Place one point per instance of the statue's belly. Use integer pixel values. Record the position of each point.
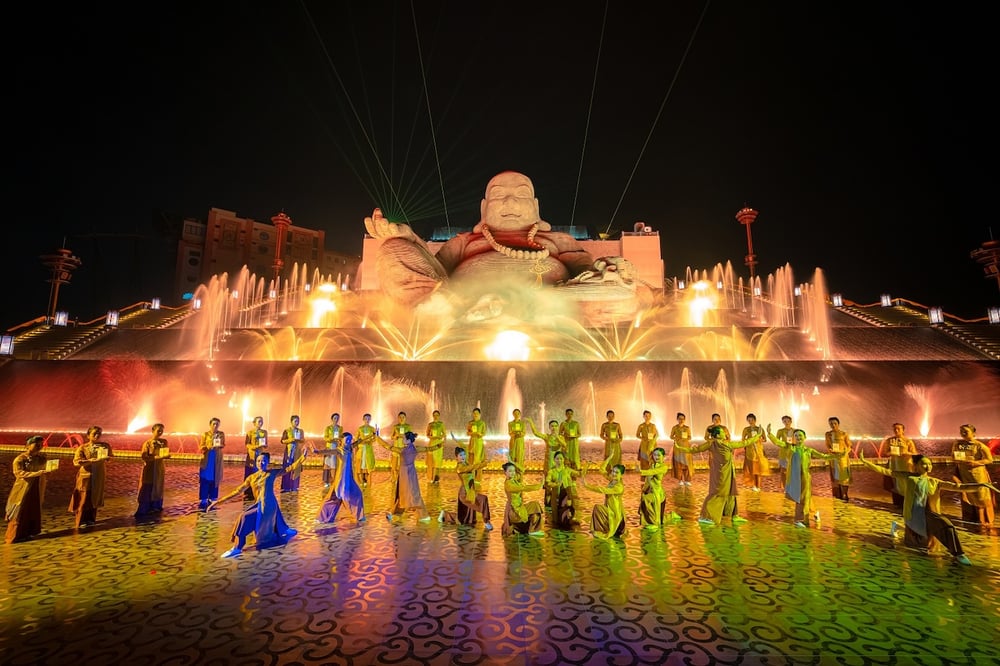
(496, 266)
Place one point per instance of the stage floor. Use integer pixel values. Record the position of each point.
(764, 592)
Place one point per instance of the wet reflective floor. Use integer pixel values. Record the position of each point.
(764, 592)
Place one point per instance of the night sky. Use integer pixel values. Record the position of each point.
(857, 130)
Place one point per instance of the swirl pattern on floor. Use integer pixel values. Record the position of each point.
(765, 592)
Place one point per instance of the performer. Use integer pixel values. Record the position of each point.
(839, 443)
(210, 468)
(611, 433)
(900, 450)
(569, 430)
(717, 423)
(798, 487)
(754, 461)
(786, 433)
(469, 501)
(293, 439)
(721, 500)
(344, 488)
(255, 443)
(553, 442)
(436, 434)
(399, 430)
(88, 494)
(654, 500)
(516, 429)
(647, 434)
(407, 492)
(365, 438)
(683, 463)
(925, 524)
(24, 504)
(971, 457)
(518, 517)
(608, 519)
(560, 490)
(154, 453)
(263, 518)
(332, 435)
(476, 432)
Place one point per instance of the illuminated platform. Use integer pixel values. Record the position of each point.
(416, 593)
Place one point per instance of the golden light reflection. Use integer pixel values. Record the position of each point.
(700, 303)
(509, 346)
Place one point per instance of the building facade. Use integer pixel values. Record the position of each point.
(225, 243)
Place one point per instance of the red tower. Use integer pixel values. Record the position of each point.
(746, 216)
(62, 263)
(989, 256)
(281, 222)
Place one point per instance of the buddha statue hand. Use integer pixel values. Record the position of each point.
(406, 267)
(615, 270)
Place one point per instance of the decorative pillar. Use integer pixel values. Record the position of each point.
(746, 217)
(989, 256)
(62, 263)
(281, 222)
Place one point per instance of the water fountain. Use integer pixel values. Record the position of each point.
(315, 347)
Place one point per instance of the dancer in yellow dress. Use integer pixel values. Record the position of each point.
(899, 449)
(293, 439)
(785, 433)
(717, 423)
(838, 442)
(553, 443)
(332, 436)
(210, 468)
(152, 478)
(520, 517)
(365, 438)
(255, 443)
(569, 430)
(560, 489)
(647, 434)
(608, 519)
(516, 429)
(754, 463)
(470, 502)
(611, 433)
(88, 493)
(798, 487)
(925, 524)
(436, 434)
(971, 458)
(399, 430)
(27, 496)
(683, 463)
(652, 503)
(476, 448)
(723, 491)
